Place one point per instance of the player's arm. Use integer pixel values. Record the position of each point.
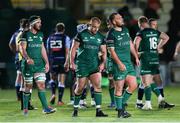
(12, 44)
(103, 57)
(177, 50)
(44, 55)
(48, 45)
(67, 47)
(134, 53)
(19, 35)
(114, 56)
(22, 49)
(163, 40)
(74, 48)
(137, 41)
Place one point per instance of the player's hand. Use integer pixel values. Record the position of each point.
(30, 61)
(72, 66)
(122, 67)
(137, 62)
(66, 66)
(101, 67)
(46, 67)
(160, 50)
(139, 54)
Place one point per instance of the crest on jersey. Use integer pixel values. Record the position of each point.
(30, 39)
(41, 39)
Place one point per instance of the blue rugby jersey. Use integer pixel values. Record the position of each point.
(56, 45)
(13, 41)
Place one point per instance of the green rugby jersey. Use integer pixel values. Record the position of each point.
(34, 44)
(149, 44)
(89, 46)
(120, 40)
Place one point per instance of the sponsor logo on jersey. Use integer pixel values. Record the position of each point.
(119, 78)
(30, 39)
(99, 40)
(85, 39)
(91, 37)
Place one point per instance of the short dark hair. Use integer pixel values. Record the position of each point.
(112, 16)
(60, 27)
(142, 19)
(24, 22)
(33, 18)
(152, 19)
(95, 19)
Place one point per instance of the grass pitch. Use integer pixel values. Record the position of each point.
(10, 109)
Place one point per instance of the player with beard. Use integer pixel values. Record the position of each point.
(34, 63)
(120, 47)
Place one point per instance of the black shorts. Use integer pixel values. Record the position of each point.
(18, 65)
(57, 67)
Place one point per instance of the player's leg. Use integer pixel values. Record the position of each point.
(95, 79)
(71, 79)
(93, 103)
(159, 83)
(81, 82)
(139, 103)
(132, 85)
(40, 81)
(18, 80)
(82, 102)
(111, 90)
(159, 92)
(52, 82)
(61, 87)
(119, 99)
(28, 79)
(147, 80)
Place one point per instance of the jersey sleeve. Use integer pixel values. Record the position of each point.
(78, 38)
(68, 42)
(81, 27)
(13, 39)
(23, 37)
(110, 40)
(139, 34)
(48, 43)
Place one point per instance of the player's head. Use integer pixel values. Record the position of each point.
(35, 22)
(60, 27)
(94, 25)
(109, 24)
(143, 22)
(24, 23)
(116, 19)
(153, 23)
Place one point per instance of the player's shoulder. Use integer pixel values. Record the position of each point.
(40, 33)
(125, 28)
(83, 31)
(25, 33)
(110, 31)
(81, 27)
(100, 34)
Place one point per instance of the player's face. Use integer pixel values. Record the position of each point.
(26, 27)
(37, 25)
(94, 27)
(118, 20)
(154, 24)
